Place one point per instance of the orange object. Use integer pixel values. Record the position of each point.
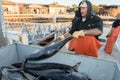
(87, 45)
(111, 40)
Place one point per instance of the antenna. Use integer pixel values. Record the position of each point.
(2, 41)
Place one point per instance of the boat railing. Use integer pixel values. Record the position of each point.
(117, 44)
(33, 31)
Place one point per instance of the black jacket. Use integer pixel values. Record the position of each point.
(92, 21)
(116, 23)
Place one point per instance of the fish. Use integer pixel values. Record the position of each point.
(44, 42)
(48, 66)
(58, 75)
(50, 74)
(49, 71)
(48, 51)
(54, 71)
(10, 73)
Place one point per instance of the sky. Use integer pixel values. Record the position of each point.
(70, 2)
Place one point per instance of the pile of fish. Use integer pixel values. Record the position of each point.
(43, 71)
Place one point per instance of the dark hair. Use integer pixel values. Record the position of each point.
(77, 14)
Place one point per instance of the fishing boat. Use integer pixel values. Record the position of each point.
(105, 67)
(96, 68)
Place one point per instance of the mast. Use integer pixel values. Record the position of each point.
(2, 40)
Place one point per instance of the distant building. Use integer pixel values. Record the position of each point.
(9, 7)
(21, 8)
(56, 8)
(111, 10)
(102, 9)
(114, 10)
(37, 9)
(44, 10)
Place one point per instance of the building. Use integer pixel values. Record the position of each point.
(56, 8)
(37, 9)
(21, 8)
(9, 7)
(102, 9)
(114, 11)
(44, 10)
(111, 10)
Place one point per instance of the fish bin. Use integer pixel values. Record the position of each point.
(97, 69)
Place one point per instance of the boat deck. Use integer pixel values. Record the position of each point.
(102, 54)
(106, 65)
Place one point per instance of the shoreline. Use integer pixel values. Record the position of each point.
(43, 18)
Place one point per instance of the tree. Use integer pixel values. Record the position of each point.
(73, 8)
(69, 9)
(74, 5)
(95, 8)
